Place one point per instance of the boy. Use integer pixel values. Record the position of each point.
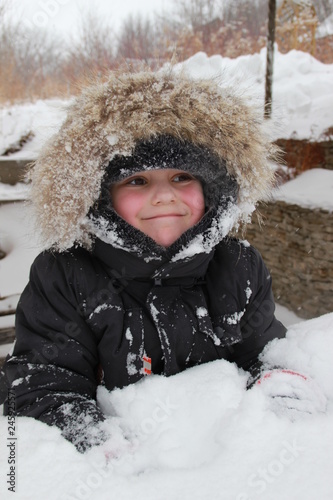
(135, 197)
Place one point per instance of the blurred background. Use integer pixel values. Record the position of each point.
(51, 47)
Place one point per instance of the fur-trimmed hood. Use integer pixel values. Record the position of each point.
(109, 119)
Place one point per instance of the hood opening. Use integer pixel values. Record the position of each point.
(162, 152)
(167, 152)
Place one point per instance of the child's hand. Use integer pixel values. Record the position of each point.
(117, 452)
(292, 394)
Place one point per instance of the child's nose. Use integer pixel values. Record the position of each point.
(162, 194)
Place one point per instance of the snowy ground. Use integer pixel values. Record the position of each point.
(196, 435)
(200, 434)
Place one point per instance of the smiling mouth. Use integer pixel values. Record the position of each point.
(163, 216)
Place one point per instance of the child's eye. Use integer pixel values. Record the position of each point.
(183, 177)
(137, 181)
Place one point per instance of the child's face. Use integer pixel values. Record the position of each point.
(161, 203)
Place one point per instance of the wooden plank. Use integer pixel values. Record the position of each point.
(7, 335)
(13, 171)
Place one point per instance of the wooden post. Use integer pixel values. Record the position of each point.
(270, 58)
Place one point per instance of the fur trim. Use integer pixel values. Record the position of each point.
(109, 119)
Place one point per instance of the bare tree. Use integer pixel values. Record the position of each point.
(195, 13)
(137, 39)
(248, 15)
(3, 9)
(252, 14)
(94, 50)
(27, 59)
(324, 8)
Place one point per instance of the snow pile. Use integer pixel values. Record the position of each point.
(302, 95)
(196, 435)
(312, 189)
(302, 88)
(39, 120)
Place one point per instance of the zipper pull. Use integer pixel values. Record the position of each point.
(146, 365)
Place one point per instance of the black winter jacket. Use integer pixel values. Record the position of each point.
(104, 295)
(82, 312)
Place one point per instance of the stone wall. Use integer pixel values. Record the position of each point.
(297, 246)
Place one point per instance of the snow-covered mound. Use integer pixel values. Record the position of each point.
(302, 95)
(302, 88)
(39, 120)
(312, 189)
(196, 435)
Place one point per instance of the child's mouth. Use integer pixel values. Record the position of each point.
(163, 216)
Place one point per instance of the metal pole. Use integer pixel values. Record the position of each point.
(270, 58)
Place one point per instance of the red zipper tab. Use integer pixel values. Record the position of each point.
(146, 365)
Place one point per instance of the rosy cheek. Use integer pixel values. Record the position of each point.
(195, 199)
(199, 204)
(127, 206)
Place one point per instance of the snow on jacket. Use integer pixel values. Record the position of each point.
(103, 296)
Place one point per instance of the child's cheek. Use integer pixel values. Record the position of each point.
(194, 198)
(128, 207)
(198, 204)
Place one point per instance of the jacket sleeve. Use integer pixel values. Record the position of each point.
(258, 325)
(52, 370)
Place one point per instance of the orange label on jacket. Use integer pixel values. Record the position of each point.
(146, 365)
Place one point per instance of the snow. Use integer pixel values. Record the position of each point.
(198, 434)
(288, 318)
(18, 242)
(302, 88)
(312, 189)
(41, 118)
(19, 191)
(201, 312)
